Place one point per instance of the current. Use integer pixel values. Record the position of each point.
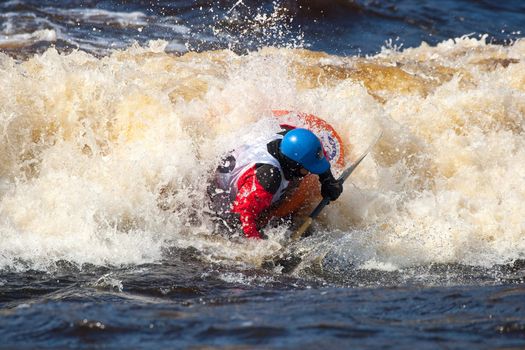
(114, 113)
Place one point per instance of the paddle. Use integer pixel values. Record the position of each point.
(290, 261)
(325, 201)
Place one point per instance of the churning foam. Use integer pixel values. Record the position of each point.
(105, 160)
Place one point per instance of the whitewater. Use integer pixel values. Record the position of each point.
(104, 160)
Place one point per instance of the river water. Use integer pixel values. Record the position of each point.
(114, 113)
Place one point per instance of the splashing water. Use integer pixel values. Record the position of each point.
(105, 160)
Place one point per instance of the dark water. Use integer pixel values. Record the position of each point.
(185, 301)
(343, 27)
(182, 303)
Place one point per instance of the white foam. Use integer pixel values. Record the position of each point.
(92, 15)
(25, 39)
(87, 145)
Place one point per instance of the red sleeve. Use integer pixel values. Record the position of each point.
(250, 202)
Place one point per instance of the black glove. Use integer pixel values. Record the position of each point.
(330, 187)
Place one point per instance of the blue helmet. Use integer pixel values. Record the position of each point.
(302, 146)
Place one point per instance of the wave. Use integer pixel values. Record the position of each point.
(104, 160)
(26, 39)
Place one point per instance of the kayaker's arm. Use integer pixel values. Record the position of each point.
(256, 188)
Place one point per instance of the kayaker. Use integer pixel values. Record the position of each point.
(253, 177)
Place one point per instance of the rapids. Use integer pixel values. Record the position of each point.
(104, 160)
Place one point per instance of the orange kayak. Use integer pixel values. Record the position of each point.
(308, 192)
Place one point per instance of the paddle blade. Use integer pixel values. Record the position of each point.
(301, 230)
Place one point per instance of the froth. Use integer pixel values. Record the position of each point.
(105, 160)
(20, 40)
